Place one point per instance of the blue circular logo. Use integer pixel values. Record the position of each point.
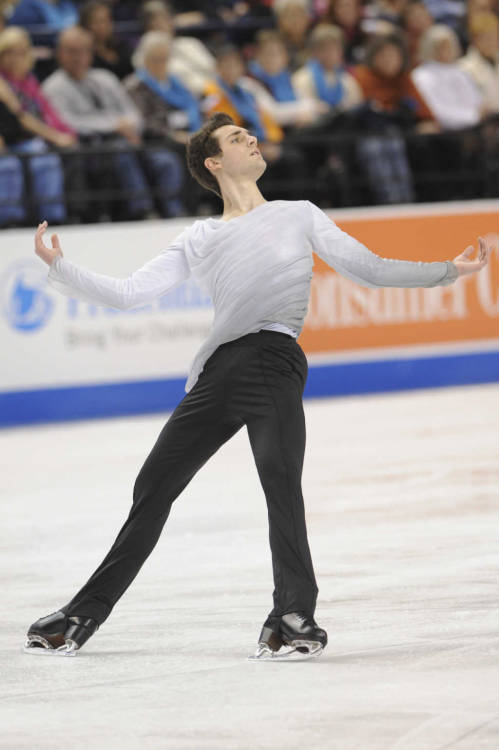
(25, 303)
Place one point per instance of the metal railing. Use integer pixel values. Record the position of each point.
(327, 168)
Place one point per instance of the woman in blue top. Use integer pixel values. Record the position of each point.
(169, 110)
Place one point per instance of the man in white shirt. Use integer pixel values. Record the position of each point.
(256, 263)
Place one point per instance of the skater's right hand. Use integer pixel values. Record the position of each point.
(464, 262)
(45, 253)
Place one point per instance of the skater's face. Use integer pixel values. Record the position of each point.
(240, 157)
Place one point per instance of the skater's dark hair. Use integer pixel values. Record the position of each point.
(203, 144)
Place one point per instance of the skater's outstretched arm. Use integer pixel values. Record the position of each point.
(158, 276)
(352, 259)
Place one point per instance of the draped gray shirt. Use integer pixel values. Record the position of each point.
(257, 269)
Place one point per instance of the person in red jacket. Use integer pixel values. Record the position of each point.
(393, 108)
(386, 83)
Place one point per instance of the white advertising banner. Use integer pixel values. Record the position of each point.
(62, 358)
(49, 339)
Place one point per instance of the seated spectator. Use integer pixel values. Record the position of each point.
(416, 21)
(168, 108)
(481, 62)
(272, 87)
(387, 86)
(393, 105)
(56, 14)
(449, 91)
(472, 8)
(109, 52)
(225, 93)
(96, 104)
(347, 15)
(190, 60)
(41, 126)
(228, 93)
(323, 77)
(294, 21)
(13, 209)
(16, 63)
(12, 184)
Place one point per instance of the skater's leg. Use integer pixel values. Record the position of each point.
(196, 429)
(276, 430)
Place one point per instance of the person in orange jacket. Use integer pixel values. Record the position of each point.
(387, 85)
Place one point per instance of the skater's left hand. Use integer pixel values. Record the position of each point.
(464, 263)
(46, 253)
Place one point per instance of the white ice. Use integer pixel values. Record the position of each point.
(402, 498)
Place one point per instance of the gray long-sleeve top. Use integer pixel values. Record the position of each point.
(92, 105)
(256, 268)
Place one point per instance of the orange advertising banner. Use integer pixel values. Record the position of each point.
(344, 316)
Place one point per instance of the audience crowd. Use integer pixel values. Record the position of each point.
(353, 102)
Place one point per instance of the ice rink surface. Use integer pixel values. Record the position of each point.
(402, 495)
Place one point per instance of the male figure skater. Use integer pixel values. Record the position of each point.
(256, 262)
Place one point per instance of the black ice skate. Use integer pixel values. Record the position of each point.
(292, 637)
(59, 635)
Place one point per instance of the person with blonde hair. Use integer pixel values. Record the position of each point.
(169, 112)
(16, 64)
(168, 108)
(481, 62)
(447, 89)
(43, 128)
(190, 60)
(271, 84)
(324, 77)
(227, 93)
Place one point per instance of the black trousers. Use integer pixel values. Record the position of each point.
(257, 381)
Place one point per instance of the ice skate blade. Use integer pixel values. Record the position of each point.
(38, 646)
(291, 652)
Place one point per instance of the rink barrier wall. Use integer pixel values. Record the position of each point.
(66, 359)
(157, 396)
